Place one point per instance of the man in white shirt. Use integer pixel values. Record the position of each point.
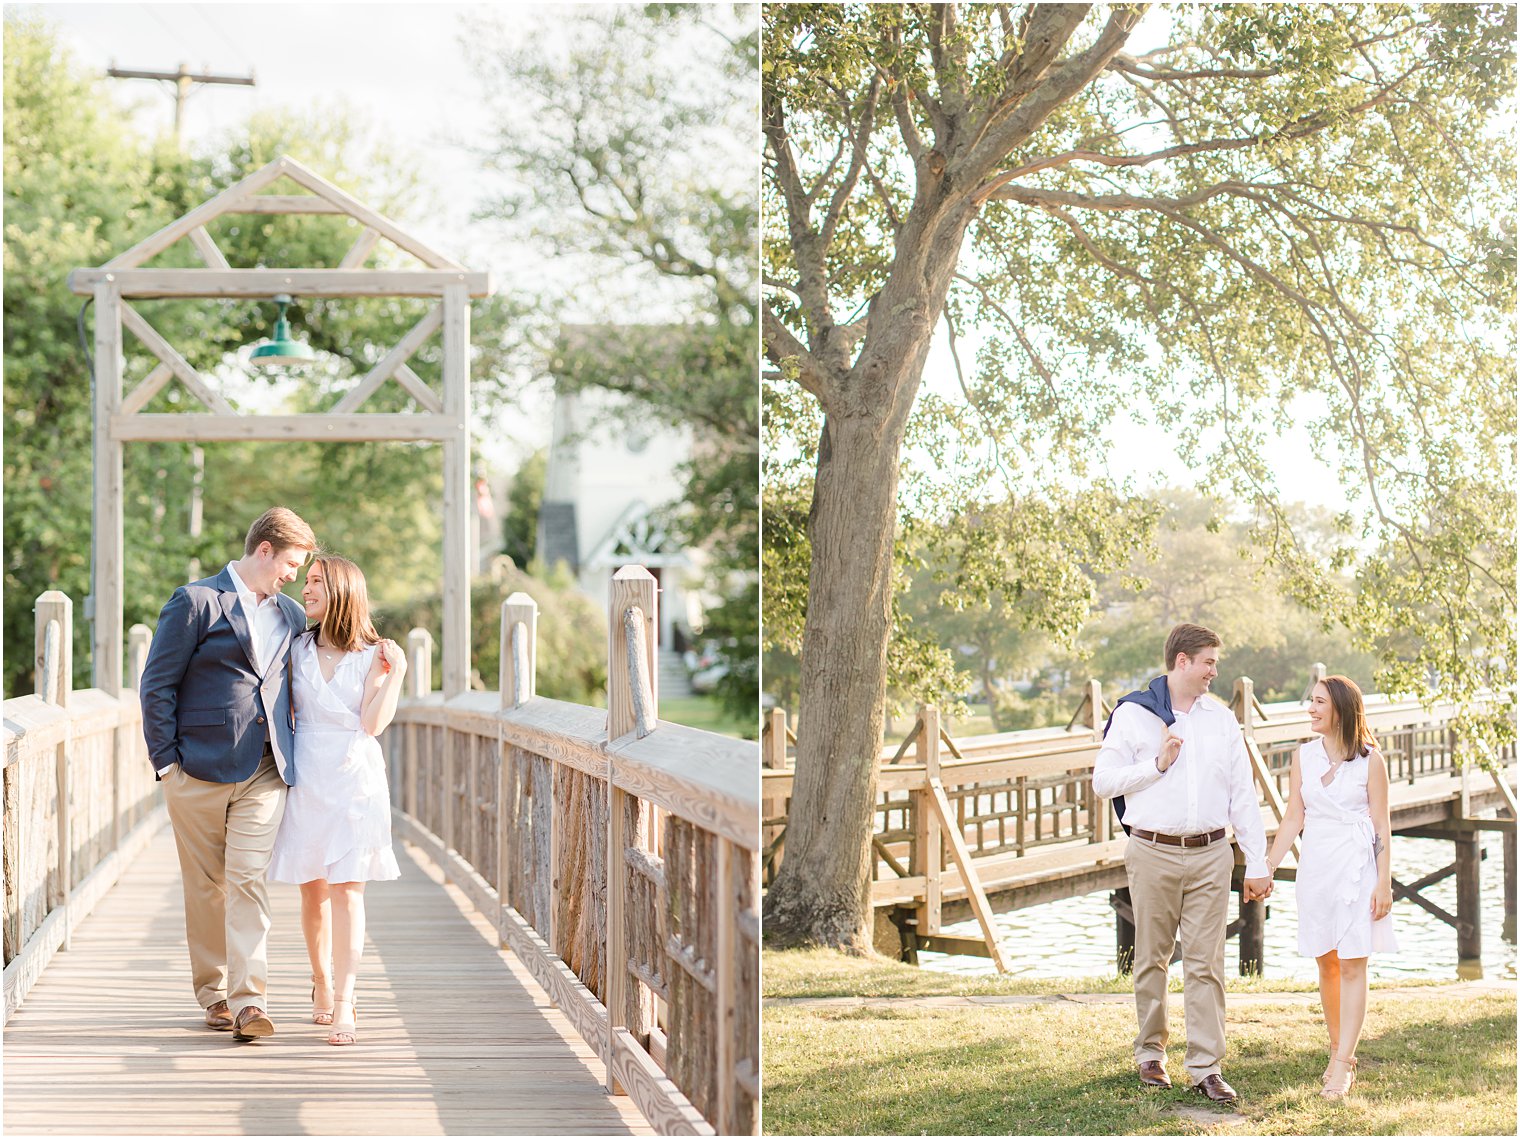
(1176, 756)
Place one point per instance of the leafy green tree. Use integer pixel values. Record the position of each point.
(571, 662)
(627, 138)
(1280, 207)
(79, 188)
(519, 529)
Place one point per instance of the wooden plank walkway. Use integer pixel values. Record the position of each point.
(455, 1037)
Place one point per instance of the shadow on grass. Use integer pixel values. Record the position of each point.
(1429, 1076)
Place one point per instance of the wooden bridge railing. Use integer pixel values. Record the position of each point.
(1013, 793)
(619, 855)
(79, 797)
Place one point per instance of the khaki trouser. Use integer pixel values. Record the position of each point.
(1182, 890)
(225, 835)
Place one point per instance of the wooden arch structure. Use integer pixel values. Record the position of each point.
(120, 419)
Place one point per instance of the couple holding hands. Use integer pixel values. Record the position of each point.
(1174, 762)
(239, 695)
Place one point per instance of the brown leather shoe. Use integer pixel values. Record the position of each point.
(251, 1023)
(219, 1016)
(1214, 1088)
(1153, 1074)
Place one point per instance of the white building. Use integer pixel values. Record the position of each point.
(611, 471)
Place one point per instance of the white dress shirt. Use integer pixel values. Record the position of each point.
(266, 623)
(1208, 786)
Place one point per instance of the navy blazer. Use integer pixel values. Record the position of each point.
(204, 705)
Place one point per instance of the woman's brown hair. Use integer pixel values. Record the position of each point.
(346, 624)
(1351, 730)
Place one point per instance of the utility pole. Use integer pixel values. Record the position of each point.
(184, 86)
(184, 83)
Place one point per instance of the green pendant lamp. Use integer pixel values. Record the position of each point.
(281, 351)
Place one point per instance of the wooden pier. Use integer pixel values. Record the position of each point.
(974, 827)
(615, 855)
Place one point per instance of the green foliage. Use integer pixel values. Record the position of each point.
(629, 153)
(80, 187)
(571, 662)
(519, 529)
(1287, 215)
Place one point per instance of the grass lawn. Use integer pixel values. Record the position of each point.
(708, 713)
(824, 973)
(1436, 1065)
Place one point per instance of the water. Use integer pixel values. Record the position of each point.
(1075, 937)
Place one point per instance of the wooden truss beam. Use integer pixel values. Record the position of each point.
(265, 283)
(319, 427)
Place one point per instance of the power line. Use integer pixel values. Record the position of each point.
(200, 10)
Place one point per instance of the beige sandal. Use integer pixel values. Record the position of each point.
(344, 1031)
(1337, 1088)
(320, 1014)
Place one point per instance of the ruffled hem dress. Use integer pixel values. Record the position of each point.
(1337, 871)
(337, 822)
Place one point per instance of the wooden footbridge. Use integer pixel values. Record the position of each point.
(573, 946)
(978, 826)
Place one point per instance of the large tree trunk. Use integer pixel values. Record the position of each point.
(822, 893)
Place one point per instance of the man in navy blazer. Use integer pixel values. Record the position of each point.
(221, 737)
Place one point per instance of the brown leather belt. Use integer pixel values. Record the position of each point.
(1178, 839)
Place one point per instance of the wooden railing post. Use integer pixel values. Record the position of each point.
(419, 683)
(1100, 816)
(633, 588)
(1317, 672)
(54, 669)
(519, 650)
(773, 741)
(929, 841)
(632, 705)
(139, 640)
(519, 684)
(54, 614)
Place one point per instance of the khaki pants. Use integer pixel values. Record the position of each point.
(225, 835)
(1180, 890)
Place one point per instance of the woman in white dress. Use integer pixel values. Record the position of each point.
(1338, 800)
(336, 833)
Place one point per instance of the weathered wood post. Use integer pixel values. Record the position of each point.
(419, 683)
(1317, 672)
(54, 614)
(1124, 929)
(1253, 915)
(773, 758)
(54, 667)
(1469, 913)
(632, 607)
(139, 640)
(108, 530)
(927, 857)
(519, 684)
(1509, 885)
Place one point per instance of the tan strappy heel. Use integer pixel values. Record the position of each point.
(1338, 1087)
(320, 1014)
(344, 1031)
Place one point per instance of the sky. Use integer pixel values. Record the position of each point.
(400, 67)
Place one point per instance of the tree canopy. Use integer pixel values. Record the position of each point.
(81, 186)
(1219, 218)
(624, 143)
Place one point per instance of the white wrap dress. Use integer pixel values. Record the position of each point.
(337, 822)
(1337, 871)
